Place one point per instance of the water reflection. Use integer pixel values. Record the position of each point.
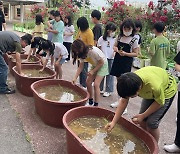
(91, 131)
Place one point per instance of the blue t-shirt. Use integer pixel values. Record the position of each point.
(58, 26)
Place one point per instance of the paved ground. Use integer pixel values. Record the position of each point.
(12, 136)
(45, 139)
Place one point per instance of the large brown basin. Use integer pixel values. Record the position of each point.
(51, 112)
(23, 83)
(74, 143)
(12, 63)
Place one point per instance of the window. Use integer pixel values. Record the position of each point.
(6, 11)
(18, 12)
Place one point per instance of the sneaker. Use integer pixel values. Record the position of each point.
(87, 104)
(115, 104)
(102, 92)
(125, 111)
(106, 94)
(95, 104)
(173, 148)
(85, 88)
(8, 91)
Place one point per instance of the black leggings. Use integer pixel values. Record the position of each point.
(177, 139)
(68, 47)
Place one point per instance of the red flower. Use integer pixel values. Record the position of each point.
(154, 21)
(107, 12)
(165, 11)
(110, 19)
(121, 3)
(164, 18)
(115, 5)
(173, 6)
(103, 8)
(151, 5)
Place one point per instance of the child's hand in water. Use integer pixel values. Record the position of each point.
(41, 70)
(24, 61)
(109, 127)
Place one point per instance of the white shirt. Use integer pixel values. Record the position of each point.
(68, 29)
(94, 55)
(137, 37)
(60, 50)
(107, 46)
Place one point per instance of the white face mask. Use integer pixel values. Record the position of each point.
(112, 34)
(127, 33)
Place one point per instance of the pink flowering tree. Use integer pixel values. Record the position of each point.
(118, 11)
(169, 14)
(68, 9)
(36, 9)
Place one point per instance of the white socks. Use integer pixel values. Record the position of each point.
(173, 148)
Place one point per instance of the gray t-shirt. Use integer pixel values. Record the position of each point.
(9, 41)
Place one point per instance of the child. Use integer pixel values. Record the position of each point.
(99, 69)
(86, 35)
(51, 17)
(58, 28)
(106, 43)
(126, 47)
(36, 43)
(68, 34)
(175, 148)
(39, 28)
(159, 47)
(97, 30)
(60, 54)
(156, 87)
(138, 26)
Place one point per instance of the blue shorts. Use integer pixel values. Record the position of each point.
(62, 61)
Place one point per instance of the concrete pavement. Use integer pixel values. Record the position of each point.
(12, 136)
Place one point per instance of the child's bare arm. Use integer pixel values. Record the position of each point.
(177, 67)
(79, 70)
(44, 65)
(153, 108)
(134, 53)
(60, 57)
(120, 109)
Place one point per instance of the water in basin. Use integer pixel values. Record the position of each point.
(34, 73)
(59, 94)
(91, 131)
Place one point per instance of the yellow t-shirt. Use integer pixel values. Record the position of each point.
(157, 84)
(39, 28)
(87, 36)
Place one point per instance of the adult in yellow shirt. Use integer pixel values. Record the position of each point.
(39, 28)
(156, 87)
(86, 35)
